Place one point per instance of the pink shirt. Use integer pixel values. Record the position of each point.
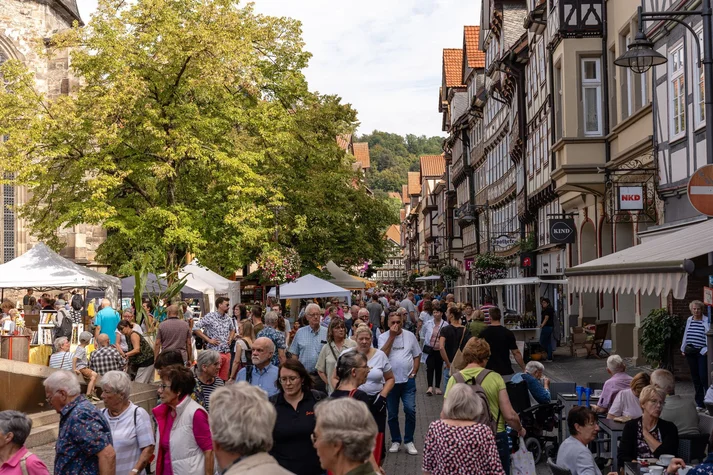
(612, 386)
(201, 431)
(34, 465)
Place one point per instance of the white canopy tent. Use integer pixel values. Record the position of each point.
(309, 286)
(42, 268)
(341, 278)
(202, 278)
(427, 278)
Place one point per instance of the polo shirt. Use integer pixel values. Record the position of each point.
(612, 386)
(33, 464)
(108, 319)
(307, 344)
(403, 351)
(292, 447)
(263, 378)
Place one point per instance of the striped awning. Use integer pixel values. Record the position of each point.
(658, 266)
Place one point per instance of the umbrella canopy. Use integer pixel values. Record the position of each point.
(156, 285)
(41, 267)
(309, 286)
(342, 279)
(221, 285)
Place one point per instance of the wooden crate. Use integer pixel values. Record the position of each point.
(15, 348)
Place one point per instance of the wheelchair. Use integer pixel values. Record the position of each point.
(541, 422)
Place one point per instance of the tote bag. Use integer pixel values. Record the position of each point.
(522, 462)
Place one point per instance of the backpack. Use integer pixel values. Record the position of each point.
(65, 328)
(486, 417)
(77, 302)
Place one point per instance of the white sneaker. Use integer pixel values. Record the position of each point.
(411, 449)
(394, 447)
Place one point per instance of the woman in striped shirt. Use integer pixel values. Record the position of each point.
(694, 348)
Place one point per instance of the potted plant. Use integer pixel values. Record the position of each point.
(279, 264)
(489, 266)
(661, 332)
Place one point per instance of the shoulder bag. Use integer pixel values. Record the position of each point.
(428, 349)
(457, 363)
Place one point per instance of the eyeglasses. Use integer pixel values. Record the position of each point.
(164, 386)
(657, 403)
(49, 398)
(289, 379)
(313, 437)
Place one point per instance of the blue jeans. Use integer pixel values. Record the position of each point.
(698, 365)
(446, 377)
(546, 340)
(405, 392)
(503, 443)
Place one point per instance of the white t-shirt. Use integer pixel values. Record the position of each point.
(129, 438)
(379, 364)
(403, 351)
(425, 317)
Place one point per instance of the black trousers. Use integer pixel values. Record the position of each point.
(434, 367)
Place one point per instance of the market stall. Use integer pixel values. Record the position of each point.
(309, 286)
(343, 279)
(42, 269)
(221, 286)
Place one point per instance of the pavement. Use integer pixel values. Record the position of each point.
(564, 368)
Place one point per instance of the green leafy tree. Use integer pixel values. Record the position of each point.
(193, 131)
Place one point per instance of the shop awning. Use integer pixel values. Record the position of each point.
(515, 281)
(658, 266)
(427, 278)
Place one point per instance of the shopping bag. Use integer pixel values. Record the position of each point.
(522, 462)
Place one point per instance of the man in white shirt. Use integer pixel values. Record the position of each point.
(403, 351)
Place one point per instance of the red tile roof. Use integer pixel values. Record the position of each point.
(361, 154)
(394, 234)
(476, 58)
(433, 166)
(343, 140)
(453, 67)
(414, 183)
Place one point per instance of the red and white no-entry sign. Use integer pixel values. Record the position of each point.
(700, 190)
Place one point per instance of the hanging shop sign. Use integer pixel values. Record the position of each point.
(469, 264)
(562, 231)
(631, 198)
(708, 296)
(504, 241)
(527, 260)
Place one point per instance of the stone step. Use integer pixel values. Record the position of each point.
(45, 434)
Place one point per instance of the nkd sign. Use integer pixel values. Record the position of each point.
(562, 231)
(631, 198)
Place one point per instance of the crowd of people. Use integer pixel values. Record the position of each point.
(263, 396)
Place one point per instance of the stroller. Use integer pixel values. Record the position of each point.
(541, 422)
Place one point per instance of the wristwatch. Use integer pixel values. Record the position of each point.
(135, 470)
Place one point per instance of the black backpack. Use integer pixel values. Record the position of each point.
(65, 328)
(486, 417)
(77, 302)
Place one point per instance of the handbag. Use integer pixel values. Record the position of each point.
(457, 363)
(428, 349)
(690, 350)
(522, 461)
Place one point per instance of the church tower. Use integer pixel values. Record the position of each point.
(24, 25)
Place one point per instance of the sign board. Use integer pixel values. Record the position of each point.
(504, 241)
(562, 231)
(469, 264)
(527, 260)
(708, 296)
(700, 190)
(630, 198)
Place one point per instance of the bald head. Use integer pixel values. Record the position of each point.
(103, 340)
(172, 311)
(106, 303)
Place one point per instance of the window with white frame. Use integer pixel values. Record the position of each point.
(541, 60)
(677, 94)
(699, 91)
(592, 96)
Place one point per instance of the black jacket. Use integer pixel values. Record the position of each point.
(628, 445)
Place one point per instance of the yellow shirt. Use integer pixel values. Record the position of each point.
(90, 309)
(492, 385)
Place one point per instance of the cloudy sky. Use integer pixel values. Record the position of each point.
(382, 56)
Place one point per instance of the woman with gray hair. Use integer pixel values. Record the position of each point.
(241, 425)
(14, 429)
(694, 347)
(207, 380)
(456, 443)
(130, 425)
(344, 436)
(62, 358)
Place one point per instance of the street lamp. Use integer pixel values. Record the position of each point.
(641, 55)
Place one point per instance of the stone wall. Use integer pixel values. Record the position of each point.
(23, 27)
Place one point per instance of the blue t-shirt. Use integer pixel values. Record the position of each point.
(108, 319)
